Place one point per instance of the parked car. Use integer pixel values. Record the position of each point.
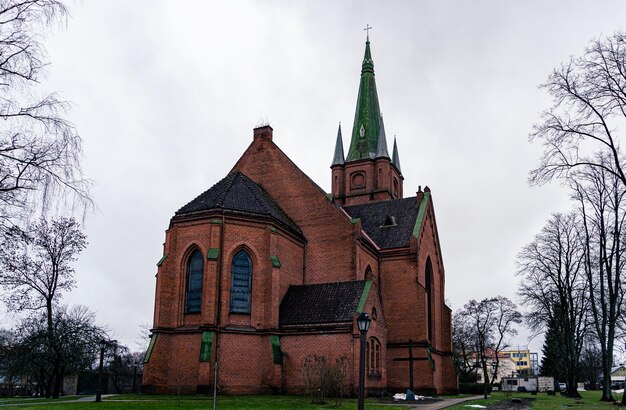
(562, 386)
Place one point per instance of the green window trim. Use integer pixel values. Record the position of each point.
(153, 339)
(272, 229)
(216, 221)
(430, 359)
(160, 262)
(275, 261)
(277, 354)
(206, 346)
(213, 254)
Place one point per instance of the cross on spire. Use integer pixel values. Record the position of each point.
(367, 29)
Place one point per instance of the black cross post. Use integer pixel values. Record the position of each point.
(410, 359)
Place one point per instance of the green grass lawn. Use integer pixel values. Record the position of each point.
(17, 400)
(197, 402)
(589, 400)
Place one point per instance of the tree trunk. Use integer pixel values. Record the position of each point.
(58, 381)
(607, 395)
(485, 380)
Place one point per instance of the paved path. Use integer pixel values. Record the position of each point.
(36, 403)
(443, 403)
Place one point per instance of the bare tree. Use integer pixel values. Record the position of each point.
(39, 149)
(490, 321)
(589, 94)
(36, 267)
(464, 345)
(555, 288)
(506, 317)
(600, 195)
(32, 356)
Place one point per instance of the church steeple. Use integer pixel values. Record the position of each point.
(368, 173)
(395, 160)
(338, 158)
(367, 120)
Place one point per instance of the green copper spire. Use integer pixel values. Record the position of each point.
(338, 157)
(367, 120)
(395, 159)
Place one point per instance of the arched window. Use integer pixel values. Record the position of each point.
(241, 283)
(369, 275)
(372, 357)
(429, 298)
(193, 297)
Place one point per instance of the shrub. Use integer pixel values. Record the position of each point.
(324, 377)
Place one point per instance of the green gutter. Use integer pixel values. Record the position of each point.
(275, 261)
(213, 254)
(430, 358)
(420, 214)
(364, 295)
(160, 262)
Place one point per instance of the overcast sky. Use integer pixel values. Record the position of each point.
(167, 93)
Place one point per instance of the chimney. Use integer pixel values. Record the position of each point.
(263, 132)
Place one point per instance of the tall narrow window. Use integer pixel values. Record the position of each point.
(373, 357)
(429, 300)
(193, 298)
(241, 283)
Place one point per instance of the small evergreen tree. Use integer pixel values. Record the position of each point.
(552, 360)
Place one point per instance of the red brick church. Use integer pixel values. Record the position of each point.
(265, 268)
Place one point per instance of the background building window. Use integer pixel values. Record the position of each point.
(193, 297)
(241, 283)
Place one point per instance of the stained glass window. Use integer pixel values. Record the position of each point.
(195, 266)
(241, 283)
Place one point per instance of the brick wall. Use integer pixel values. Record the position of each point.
(331, 249)
(330, 235)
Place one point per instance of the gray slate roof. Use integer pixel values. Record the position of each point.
(323, 303)
(375, 214)
(238, 193)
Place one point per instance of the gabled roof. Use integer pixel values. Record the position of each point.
(389, 223)
(323, 303)
(238, 193)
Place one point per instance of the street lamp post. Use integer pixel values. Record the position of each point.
(363, 322)
(103, 344)
(135, 364)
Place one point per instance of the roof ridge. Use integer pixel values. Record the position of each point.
(246, 181)
(229, 186)
(330, 283)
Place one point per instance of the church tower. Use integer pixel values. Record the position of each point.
(368, 173)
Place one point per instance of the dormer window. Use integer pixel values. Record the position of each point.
(390, 220)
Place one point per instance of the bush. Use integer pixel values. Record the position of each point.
(474, 388)
(324, 377)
